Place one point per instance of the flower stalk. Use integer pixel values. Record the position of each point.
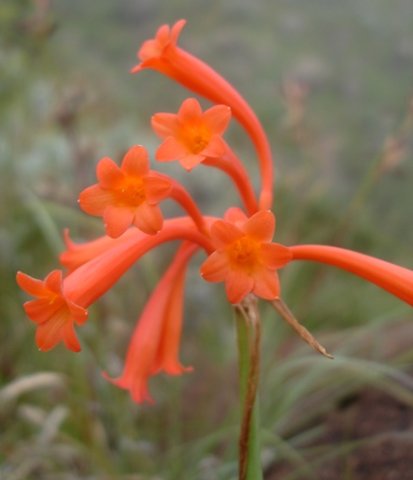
(249, 340)
(232, 166)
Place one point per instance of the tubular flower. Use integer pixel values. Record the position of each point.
(153, 51)
(239, 247)
(53, 312)
(62, 301)
(127, 195)
(77, 254)
(163, 54)
(396, 280)
(154, 344)
(245, 259)
(191, 136)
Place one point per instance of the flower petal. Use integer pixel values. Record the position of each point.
(150, 49)
(53, 281)
(79, 314)
(42, 310)
(165, 37)
(224, 233)
(165, 124)
(154, 47)
(275, 255)
(216, 148)
(49, 334)
(136, 161)
(156, 187)
(70, 339)
(30, 285)
(94, 199)
(117, 220)
(266, 284)
(261, 226)
(171, 150)
(217, 118)
(148, 218)
(108, 173)
(236, 216)
(215, 267)
(176, 30)
(237, 285)
(190, 111)
(191, 160)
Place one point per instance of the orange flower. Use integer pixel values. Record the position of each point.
(61, 302)
(127, 195)
(54, 313)
(77, 254)
(153, 50)
(191, 136)
(155, 342)
(91, 255)
(163, 55)
(245, 259)
(396, 280)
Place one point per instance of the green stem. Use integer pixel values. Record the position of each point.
(248, 333)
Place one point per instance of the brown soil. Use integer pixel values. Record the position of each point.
(373, 435)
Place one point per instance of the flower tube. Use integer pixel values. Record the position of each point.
(91, 280)
(155, 342)
(396, 280)
(76, 254)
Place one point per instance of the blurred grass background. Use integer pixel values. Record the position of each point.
(332, 84)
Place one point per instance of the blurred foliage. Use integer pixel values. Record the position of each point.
(332, 84)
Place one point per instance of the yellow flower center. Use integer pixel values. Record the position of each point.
(244, 254)
(196, 139)
(131, 194)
